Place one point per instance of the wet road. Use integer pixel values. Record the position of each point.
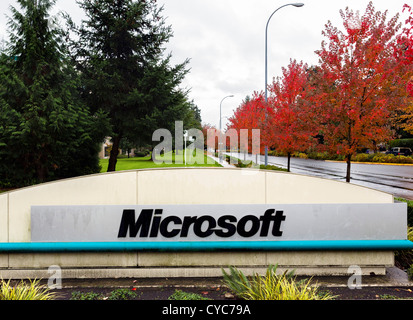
(394, 179)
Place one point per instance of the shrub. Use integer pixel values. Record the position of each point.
(25, 291)
(404, 159)
(77, 295)
(320, 156)
(362, 157)
(276, 153)
(270, 167)
(410, 272)
(141, 154)
(406, 143)
(181, 295)
(272, 286)
(122, 294)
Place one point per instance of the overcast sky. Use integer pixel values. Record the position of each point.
(225, 40)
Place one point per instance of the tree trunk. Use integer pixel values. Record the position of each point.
(113, 159)
(41, 169)
(288, 161)
(348, 160)
(41, 172)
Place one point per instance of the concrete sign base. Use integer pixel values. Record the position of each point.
(343, 225)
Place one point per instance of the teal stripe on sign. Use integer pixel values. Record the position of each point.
(23, 247)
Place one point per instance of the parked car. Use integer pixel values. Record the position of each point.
(398, 151)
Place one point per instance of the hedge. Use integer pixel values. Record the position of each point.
(405, 143)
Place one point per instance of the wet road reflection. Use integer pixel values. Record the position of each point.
(394, 179)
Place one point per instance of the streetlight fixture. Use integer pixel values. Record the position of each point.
(266, 61)
(220, 111)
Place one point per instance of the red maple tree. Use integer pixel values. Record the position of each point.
(251, 114)
(404, 56)
(210, 136)
(290, 126)
(358, 74)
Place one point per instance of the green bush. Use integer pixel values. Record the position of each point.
(383, 158)
(272, 286)
(77, 295)
(123, 294)
(276, 153)
(181, 295)
(362, 157)
(405, 143)
(410, 272)
(270, 167)
(321, 156)
(390, 158)
(117, 294)
(141, 154)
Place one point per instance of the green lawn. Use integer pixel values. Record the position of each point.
(146, 162)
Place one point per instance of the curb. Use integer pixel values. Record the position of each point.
(394, 277)
(373, 163)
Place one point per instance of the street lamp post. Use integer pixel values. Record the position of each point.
(266, 62)
(220, 122)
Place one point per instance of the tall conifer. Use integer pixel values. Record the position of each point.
(45, 132)
(120, 54)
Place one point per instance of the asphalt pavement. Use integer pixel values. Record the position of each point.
(394, 179)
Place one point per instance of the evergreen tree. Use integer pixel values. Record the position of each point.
(45, 132)
(120, 56)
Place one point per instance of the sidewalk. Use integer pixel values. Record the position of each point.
(222, 163)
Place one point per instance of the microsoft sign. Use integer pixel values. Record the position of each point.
(186, 223)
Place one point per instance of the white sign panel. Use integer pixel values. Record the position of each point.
(218, 222)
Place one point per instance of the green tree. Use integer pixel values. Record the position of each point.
(45, 132)
(120, 55)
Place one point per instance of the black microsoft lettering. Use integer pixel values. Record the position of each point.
(128, 222)
(151, 224)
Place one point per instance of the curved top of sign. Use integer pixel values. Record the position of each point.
(177, 186)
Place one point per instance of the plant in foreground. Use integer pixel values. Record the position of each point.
(117, 294)
(181, 295)
(410, 272)
(272, 286)
(77, 295)
(25, 291)
(123, 294)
